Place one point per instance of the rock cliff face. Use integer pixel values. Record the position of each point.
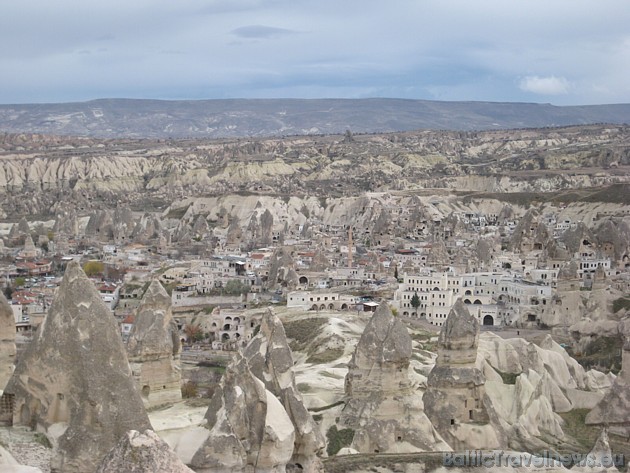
(7, 341)
(382, 406)
(271, 361)
(142, 453)
(614, 409)
(249, 428)
(154, 348)
(455, 400)
(74, 382)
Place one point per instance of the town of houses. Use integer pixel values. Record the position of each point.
(502, 266)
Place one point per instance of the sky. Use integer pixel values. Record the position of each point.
(564, 52)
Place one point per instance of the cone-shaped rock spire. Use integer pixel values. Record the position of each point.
(75, 374)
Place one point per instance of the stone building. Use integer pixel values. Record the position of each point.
(154, 349)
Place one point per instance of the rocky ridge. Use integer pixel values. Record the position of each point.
(90, 173)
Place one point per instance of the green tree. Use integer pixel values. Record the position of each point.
(193, 332)
(20, 281)
(93, 268)
(415, 301)
(8, 292)
(235, 287)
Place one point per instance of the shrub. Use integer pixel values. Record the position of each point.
(190, 390)
(338, 439)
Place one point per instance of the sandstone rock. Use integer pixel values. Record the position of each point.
(599, 455)
(7, 341)
(74, 382)
(249, 428)
(154, 349)
(282, 269)
(614, 409)
(8, 464)
(381, 359)
(270, 360)
(382, 405)
(455, 400)
(142, 453)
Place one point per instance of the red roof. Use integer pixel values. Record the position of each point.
(129, 319)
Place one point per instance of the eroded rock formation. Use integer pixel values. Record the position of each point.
(271, 361)
(154, 348)
(7, 341)
(455, 400)
(382, 406)
(142, 453)
(614, 409)
(74, 382)
(249, 428)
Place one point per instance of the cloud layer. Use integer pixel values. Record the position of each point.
(566, 51)
(551, 85)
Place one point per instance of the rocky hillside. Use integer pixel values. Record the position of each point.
(282, 117)
(40, 174)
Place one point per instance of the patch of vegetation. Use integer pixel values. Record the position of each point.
(318, 417)
(301, 332)
(41, 439)
(575, 426)
(93, 268)
(177, 213)
(508, 378)
(621, 303)
(603, 353)
(213, 366)
(338, 439)
(324, 408)
(304, 387)
(256, 330)
(330, 375)
(325, 356)
(190, 390)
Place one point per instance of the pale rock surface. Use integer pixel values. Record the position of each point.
(7, 341)
(614, 409)
(8, 464)
(383, 407)
(249, 428)
(455, 400)
(548, 381)
(154, 349)
(599, 457)
(73, 382)
(270, 360)
(142, 453)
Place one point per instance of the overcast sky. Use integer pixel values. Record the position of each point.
(565, 52)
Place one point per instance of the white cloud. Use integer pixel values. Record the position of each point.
(551, 85)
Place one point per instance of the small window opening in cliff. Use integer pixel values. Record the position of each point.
(470, 416)
(452, 421)
(399, 438)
